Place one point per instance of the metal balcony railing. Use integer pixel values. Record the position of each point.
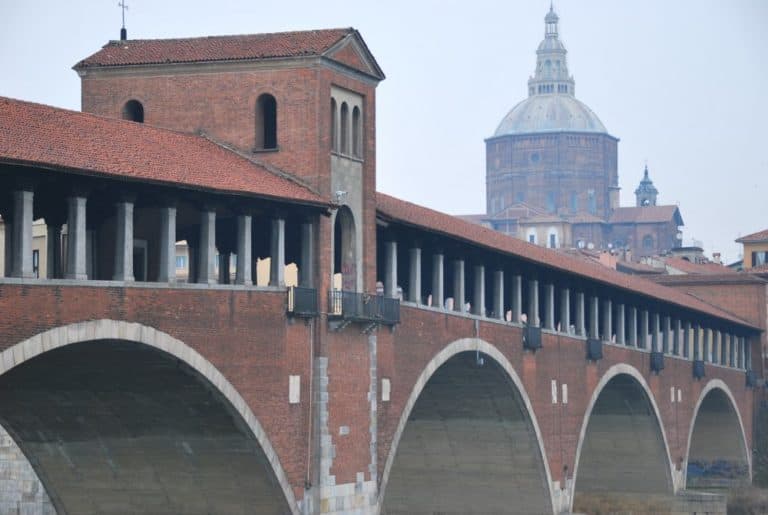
(302, 302)
(363, 307)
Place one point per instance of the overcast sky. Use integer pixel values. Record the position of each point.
(682, 84)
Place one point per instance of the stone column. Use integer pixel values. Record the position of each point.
(732, 350)
(633, 326)
(727, 350)
(607, 320)
(533, 303)
(707, 344)
(656, 327)
(565, 310)
(747, 354)
(695, 343)
(715, 346)
(687, 340)
(53, 250)
(621, 325)
(277, 253)
(644, 329)
(206, 254)
(517, 298)
(478, 297)
(22, 234)
(8, 245)
(549, 306)
(438, 286)
(459, 297)
(666, 336)
(498, 294)
(76, 238)
(244, 270)
(594, 327)
(414, 276)
(676, 338)
(307, 257)
(167, 268)
(123, 269)
(580, 315)
(720, 348)
(741, 347)
(390, 269)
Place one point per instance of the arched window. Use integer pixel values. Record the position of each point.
(266, 122)
(552, 238)
(334, 126)
(357, 133)
(344, 128)
(647, 242)
(133, 111)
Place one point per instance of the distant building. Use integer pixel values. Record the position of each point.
(552, 171)
(755, 250)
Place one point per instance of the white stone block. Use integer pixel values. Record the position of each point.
(565, 393)
(554, 391)
(386, 386)
(294, 389)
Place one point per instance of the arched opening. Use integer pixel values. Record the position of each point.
(357, 135)
(334, 126)
(647, 242)
(344, 250)
(344, 128)
(622, 457)
(467, 446)
(109, 424)
(133, 111)
(266, 122)
(717, 454)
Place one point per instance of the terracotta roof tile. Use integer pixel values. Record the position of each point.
(687, 267)
(40, 135)
(646, 214)
(451, 226)
(215, 48)
(756, 237)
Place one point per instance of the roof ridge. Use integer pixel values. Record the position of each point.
(267, 166)
(224, 36)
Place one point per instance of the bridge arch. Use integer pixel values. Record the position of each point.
(632, 385)
(717, 451)
(477, 348)
(132, 333)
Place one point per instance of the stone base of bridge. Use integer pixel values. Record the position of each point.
(686, 502)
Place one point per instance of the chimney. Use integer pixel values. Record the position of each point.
(716, 258)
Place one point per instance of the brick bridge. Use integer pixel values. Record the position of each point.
(324, 348)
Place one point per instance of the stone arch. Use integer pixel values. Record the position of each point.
(106, 329)
(345, 255)
(613, 372)
(133, 110)
(719, 388)
(449, 351)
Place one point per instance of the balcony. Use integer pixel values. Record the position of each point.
(302, 302)
(363, 307)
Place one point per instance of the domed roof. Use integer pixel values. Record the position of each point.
(550, 113)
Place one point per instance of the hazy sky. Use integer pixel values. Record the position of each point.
(683, 84)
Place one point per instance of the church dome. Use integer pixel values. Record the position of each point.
(550, 113)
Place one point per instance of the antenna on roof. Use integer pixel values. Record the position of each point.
(123, 32)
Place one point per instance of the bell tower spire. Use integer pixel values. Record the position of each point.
(551, 76)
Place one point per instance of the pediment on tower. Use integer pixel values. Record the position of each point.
(352, 52)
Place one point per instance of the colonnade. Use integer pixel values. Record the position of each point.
(613, 317)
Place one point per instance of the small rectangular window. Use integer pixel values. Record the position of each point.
(181, 261)
(36, 263)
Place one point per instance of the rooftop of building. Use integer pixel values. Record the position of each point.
(244, 47)
(58, 139)
(646, 214)
(756, 237)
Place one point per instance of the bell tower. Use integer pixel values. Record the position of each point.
(646, 193)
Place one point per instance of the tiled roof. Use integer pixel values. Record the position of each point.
(215, 48)
(53, 138)
(687, 267)
(451, 226)
(757, 237)
(724, 278)
(645, 214)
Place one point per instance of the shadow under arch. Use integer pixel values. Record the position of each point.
(537, 471)
(96, 336)
(623, 419)
(716, 454)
